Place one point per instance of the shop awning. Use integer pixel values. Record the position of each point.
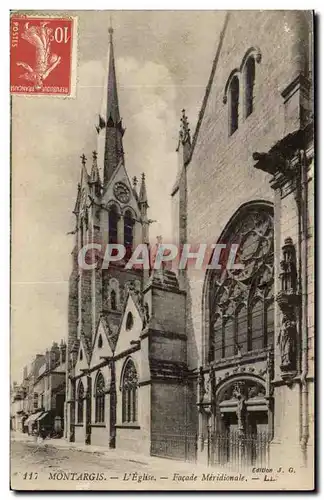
(42, 416)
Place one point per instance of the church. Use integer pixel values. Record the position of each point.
(214, 365)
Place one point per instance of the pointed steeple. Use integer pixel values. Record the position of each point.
(84, 172)
(112, 94)
(109, 126)
(77, 201)
(142, 199)
(135, 187)
(94, 175)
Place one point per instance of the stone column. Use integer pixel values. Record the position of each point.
(88, 401)
(205, 403)
(71, 412)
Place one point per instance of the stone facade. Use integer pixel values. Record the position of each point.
(195, 364)
(266, 163)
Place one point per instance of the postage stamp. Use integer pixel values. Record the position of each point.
(42, 55)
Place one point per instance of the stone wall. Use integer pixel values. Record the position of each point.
(220, 176)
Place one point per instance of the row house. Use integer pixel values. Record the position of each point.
(37, 404)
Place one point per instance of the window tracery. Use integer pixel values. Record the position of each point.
(129, 393)
(100, 399)
(80, 402)
(241, 300)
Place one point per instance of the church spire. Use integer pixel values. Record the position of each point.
(109, 128)
(112, 94)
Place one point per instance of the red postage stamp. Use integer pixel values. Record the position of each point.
(42, 55)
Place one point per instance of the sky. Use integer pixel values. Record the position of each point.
(163, 61)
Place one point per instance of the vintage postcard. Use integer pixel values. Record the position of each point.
(162, 267)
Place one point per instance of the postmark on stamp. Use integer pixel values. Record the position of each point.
(42, 55)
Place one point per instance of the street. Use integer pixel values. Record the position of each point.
(57, 466)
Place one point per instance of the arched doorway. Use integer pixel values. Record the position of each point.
(240, 434)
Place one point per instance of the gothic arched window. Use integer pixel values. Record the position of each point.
(129, 393)
(234, 92)
(241, 301)
(113, 225)
(128, 233)
(80, 402)
(249, 78)
(100, 399)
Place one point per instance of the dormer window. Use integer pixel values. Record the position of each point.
(100, 342)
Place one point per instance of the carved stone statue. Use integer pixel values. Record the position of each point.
(207, 391)
(240, 412)
(239, 392)
(201, 385)
(287, 341)
(288, 274)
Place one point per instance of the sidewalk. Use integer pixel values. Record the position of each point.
(163, 463)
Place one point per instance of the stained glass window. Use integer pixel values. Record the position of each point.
(249, 85)
(234, 104)
(100, 399)
(80, 401)
(128, 233)
(113, 225)
(129, 393)
(241, 301)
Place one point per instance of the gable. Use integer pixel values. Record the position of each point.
(82, 361)
(101, 346)
(120, 190)
(130, 328)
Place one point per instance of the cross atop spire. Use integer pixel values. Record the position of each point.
(110, 29)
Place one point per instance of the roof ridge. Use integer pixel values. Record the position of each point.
(209, 84)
